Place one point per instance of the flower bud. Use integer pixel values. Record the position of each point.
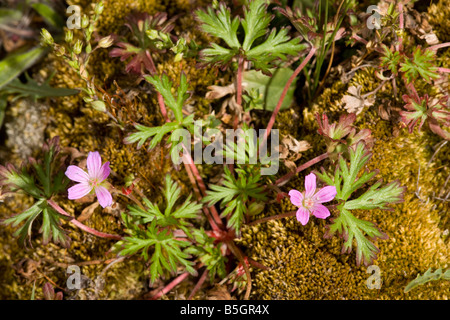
(152, 34)
(99, 105)
(46, 37)
(106, 42)
(69, 36)
(84, 21)
(99, 8)
(78, 47)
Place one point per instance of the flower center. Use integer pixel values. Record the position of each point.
(94, 182)
(309, 203)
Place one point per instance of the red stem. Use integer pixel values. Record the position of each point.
(162, 107)
(239, 88)
(401, 25)
(304, 166)
(82, 226)
(439, 46)
(170, 286)
(443, 70)
(285, 90)
(198, 285)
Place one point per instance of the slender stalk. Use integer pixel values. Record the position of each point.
(82, 226)
(199, 284)
(239, 87)
(439, 46)
(285, 90)
(170, 286)
(279, 216)
(446, 70)
(401, 26)
(304, 166)
(238, 253)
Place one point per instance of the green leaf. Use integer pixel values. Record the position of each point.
(347, 179)
(219, 24)
(144, 133)
(34, 90)
(49, 14)
(391, 60)
(255, 22)
(356, 229)
(422, 63)
(14, 64)
(377, 198)
(271, 87)
(208, 253)
(277, 46)
(426, 277)
(234, 194)
(164, 86)
(10, 15)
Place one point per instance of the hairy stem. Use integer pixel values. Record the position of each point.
(170, 286)
(238, 253)
(199, 284)
(285, 90)
(82, 226)
(304, 166)
(439, 46)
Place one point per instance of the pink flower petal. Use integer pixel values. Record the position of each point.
(104, 172)
(310, 185)
(303, 215)
(75, 173)
(320, 211)
(104, 197)
(79, 191)
(94, 162)
(296, 198)
(325, 194)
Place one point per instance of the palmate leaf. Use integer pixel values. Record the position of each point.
(353, 228)
(426, 277)
(208, 253)
(262, 52)
(40, 179)
(422, 63)
(234, 194)
(391, 59)
(172, 217)
(164, 86)
(277, 46)
(158, 236)
(167, 251)
(219, 24)
(347, 179)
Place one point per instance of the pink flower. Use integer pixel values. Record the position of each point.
(309, 202)
(93, 180)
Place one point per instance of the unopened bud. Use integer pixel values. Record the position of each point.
(152, 34)
(99, 8)
(46, 37)
(78, 47)
(106, 42)
(99, 105)
(69, 36)
(84, 21)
